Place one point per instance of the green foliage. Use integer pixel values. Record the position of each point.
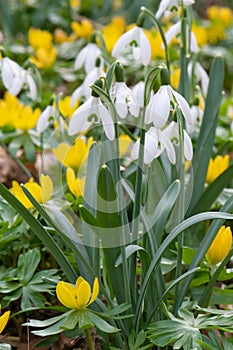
(25, 283)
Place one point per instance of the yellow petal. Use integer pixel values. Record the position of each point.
(66, 294)
(61, 151)
(46, 187)
(95, 291)
(83, 293)
(220, 246)
(80, 279)
(3, 320)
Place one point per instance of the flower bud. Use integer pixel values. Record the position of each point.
(220, 246)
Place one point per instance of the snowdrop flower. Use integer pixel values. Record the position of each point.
(84, 89)
(174, 30)
(86, 114)
(43, 121)
(168, 5)
(14, 77)
(197, 115)
(87, 57)
(200, 74)
(158, 108)
(140, 45)
(124, 100)
(138, 91)
(172, 132)
(156, 141)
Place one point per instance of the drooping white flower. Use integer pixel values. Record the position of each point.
(138, 91)
(158, 109)
(140, 45)
(86, 115)
(84, 89)
(124, 100)
(43, 121)
(172, 132)
(175, 30)
(168, 5)
(87, 57)
(156, 141)
(197, 115)
(14, 78)
(201, 75)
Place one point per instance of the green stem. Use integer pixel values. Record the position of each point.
(91, 345)
(181, 174)
(158, 25)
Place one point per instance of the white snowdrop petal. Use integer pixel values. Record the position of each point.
(121, 109)
(160, 107)
(145, 48)
(16, 86)
(7, 73)
(107, 122)
(43, 121)
(135, 150)
(122, 42)
(32, 87)
(188, 147)
(162, 8)
(80, 59)
(151, 146)
(184, 106)
(173, 31)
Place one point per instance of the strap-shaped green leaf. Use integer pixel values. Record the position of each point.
(208, 129)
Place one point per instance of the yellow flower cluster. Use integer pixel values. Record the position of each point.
(220, 19)
(44, 51)
(16, 114)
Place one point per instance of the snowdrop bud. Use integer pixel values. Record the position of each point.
(140, 20)
(119, 73)
(98, 83)
(165, 76)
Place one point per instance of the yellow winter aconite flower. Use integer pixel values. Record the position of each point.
(39, 38)
(64, 107)
(220, 246)
(60, 36)
(16, 114)
(75, 4)
(220, 14)
(4, 319)
(73, 156)
(76, 185)
(112, 32)
(83, 29)
(44, 57)
(79, 296)
(216, 167)
(175, 76)
(42, 193)
(125, 145)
